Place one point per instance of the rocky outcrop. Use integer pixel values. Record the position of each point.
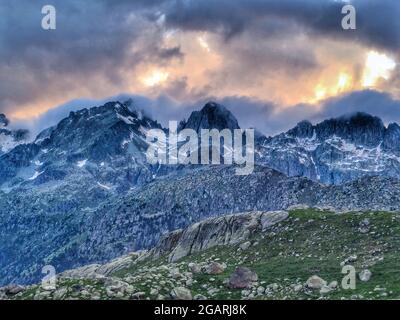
(227, 230)
(94, 271)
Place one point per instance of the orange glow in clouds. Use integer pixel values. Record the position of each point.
(155, 78)
(378, 66)
(207, 70)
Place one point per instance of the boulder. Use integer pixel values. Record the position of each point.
(315, 282)
(365, 275)
(244, 246)
(12, 289)
(298, 288)
(242, 278)
(214, 268)
(194, 268)
(138, 296)
(181, 293)
(325, 290)
(333, 285)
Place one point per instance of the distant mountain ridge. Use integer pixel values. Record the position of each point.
(336, 150)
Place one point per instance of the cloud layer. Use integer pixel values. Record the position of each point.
(274, 58)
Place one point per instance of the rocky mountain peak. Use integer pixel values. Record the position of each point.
(303, 129)
(104, 128)
(211, 116)
(336, 150)
(360, 128)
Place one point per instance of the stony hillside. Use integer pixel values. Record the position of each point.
(78, 223)
(295, 254)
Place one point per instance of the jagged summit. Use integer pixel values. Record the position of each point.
(211, 116)
(303, 129)
(336, 150)
(104, 125)
(360, 128)
(392, 137)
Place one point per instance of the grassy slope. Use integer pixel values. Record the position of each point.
(308, 243)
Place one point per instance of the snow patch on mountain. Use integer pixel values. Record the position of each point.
(127, 120)
(35, 175)
(81, 163)
(103, 186)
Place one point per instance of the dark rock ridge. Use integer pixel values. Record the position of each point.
(359, 128)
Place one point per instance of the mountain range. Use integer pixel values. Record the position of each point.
(82, 191)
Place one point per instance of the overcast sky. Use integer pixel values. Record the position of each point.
(273, 63)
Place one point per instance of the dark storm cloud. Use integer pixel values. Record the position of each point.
(379, 104)
(96, 41)
(373, 102)
(378, 21)
(92, 38)
(271, 119)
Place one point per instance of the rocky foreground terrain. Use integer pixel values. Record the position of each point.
(294, 254)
